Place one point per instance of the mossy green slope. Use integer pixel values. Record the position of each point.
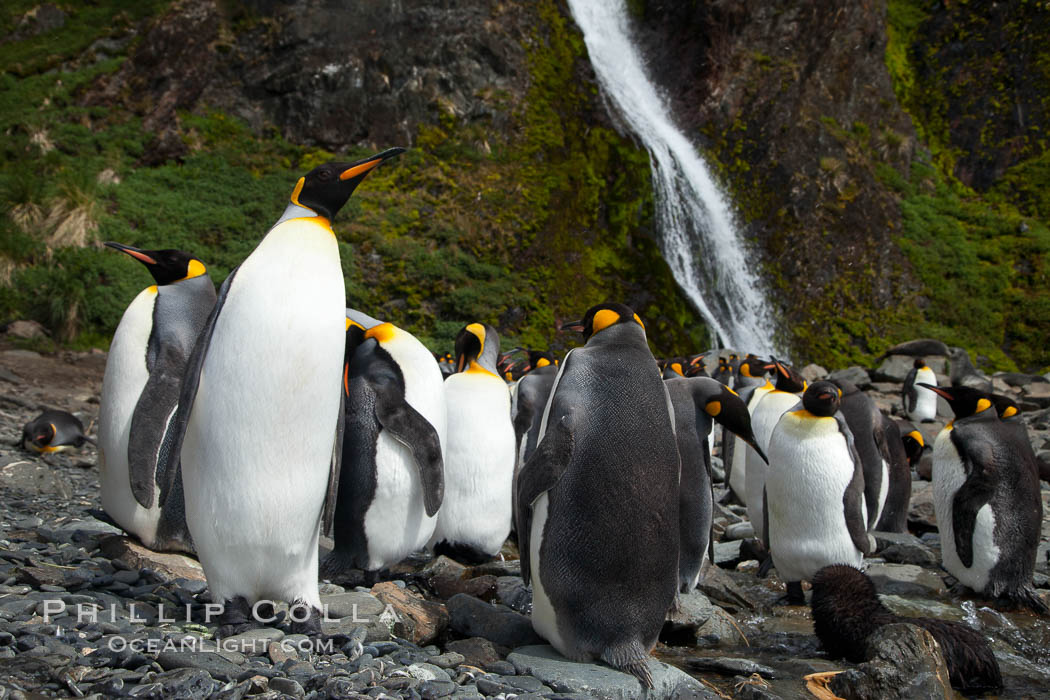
(516, 228)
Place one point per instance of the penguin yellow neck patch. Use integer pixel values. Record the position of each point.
(297, 191)
(475, 368)
(383, 333)
(479, 332)
(194, 269)
(603, 319)
(677, 368)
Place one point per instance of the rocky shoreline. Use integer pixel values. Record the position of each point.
(86, 612)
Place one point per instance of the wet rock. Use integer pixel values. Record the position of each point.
(512, 592)
(905, 580)
(894, 368)
(471, 617)
(35, 479)
(483, 587)
(903, 548)
(728, 554)
(564, 676)
(476, 651)
(135, 557)
(717, 585)
(905, 661)
(739, 531)
(729, 666)
(209, 661)
(854, 375)
(683, 621)
(185, 683)
(418, 620)
(921, 516)
(497, 568)
(287, 686)
(813, 372)
(347, 611)
(253, 642)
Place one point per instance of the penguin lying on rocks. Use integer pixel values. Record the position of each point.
(54, 431)
(847, 610)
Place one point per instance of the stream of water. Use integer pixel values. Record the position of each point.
(695, 227)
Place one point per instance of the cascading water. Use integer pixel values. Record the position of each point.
(695, 225)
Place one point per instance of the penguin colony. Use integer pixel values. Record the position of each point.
(244, 424)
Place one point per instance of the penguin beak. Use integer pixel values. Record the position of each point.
(937, 390)
(572, 326)
(133, 252)
(365, 166)
(826, 396)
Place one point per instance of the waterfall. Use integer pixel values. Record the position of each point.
(695, 227)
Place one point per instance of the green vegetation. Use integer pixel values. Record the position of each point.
(981, 256)
(513, 228)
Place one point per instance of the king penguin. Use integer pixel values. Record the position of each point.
(894, 449)
(260, 409)
(597, 503)
(814, 491)
(479, 455)
(764, 418)
(874, 445)
(54, 431)
(140, 393)
(696, 401)
(391, 477)
(987, 500)
(751, 385)
(920, 404)
(529, 401)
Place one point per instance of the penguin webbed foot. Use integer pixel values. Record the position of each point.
(794, 596)
(304, 619)
(236, 618)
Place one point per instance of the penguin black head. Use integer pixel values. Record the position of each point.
(964, 400)
(787, 378)
(38, 435)
(477, 345)
(540, 358)
(913, 441)
(326, 188)
(603, 316)
(1005, 406)
(754, 368)
(725, 406)
(695, 365)
(919, 363)
(822, 399)
(166, 266)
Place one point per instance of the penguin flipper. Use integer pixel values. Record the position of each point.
(853, 498)
(911, 394)
(334, 469)
(409, 426)
(543, 470)
(188, 391)
(149, 423)
(975, 492)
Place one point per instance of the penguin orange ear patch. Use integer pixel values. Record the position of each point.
(297, 190)
(639, 320)
(603, 319)
(713, 408)
(1009, 412)
(983, 405)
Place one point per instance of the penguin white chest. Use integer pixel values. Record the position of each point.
(926, 400)
(259, 438)
(949, 474)
(810, 467)
(479, 462)
(544, 616)
(764, 418)
(396, 522)
(126, 376)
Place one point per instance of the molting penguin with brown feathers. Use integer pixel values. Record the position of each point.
(847, 611)
(987, 499)
(597, 503)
